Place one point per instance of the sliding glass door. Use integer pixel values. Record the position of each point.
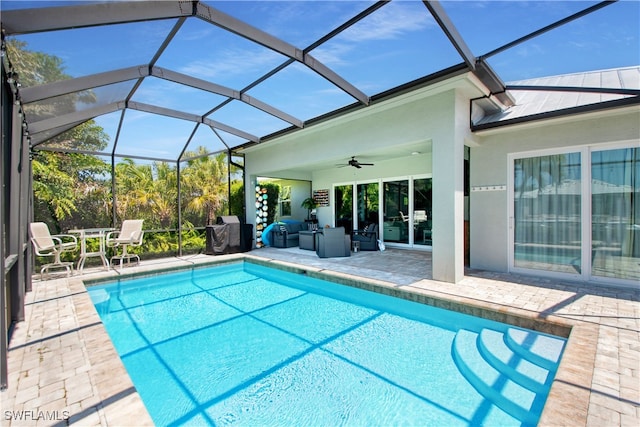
(407, 211)
(615, 213)
(367, 196)
(365, 209)
(422, 211)
(547, 213)
(400, 207)
(396, 211)
(578, 213)
(343, 197)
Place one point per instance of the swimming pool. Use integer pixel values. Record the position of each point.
(248, 345)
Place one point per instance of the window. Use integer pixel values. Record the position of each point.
(285, 201)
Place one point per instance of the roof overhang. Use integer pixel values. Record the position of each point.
(584, 112)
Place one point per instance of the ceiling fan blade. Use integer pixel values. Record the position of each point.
(365, 164)
(356, 165)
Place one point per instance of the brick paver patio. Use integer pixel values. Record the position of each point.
(63, 368)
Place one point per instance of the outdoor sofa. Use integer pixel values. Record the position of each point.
(285, 235)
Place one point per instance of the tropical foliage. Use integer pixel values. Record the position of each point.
(68, 198)
(78, 190)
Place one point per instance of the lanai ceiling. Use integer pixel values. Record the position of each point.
(165, 77)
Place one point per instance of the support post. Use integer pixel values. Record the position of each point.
(448, 195)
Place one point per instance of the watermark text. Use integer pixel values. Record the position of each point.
(33, 415)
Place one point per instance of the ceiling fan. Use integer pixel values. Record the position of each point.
(356, 164)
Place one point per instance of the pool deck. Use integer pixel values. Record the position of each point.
(64, 370)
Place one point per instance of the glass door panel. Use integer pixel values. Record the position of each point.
(343, 195)
(396, 211)
(547, 213)
(615, 213)
(422, 211)
(368, 206)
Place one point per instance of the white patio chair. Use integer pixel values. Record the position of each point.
(130, 234)
(46, 245)
(419, 216)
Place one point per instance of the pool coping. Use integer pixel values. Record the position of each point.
(567, 402)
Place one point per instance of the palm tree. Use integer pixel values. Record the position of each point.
(134, 184)
(205, 184)
(163, 200)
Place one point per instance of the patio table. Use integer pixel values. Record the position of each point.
(92, 233)
(307, 240)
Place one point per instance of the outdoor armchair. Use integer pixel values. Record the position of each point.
(368, 237)
(333, 242)
(130, 234)
(46, 245)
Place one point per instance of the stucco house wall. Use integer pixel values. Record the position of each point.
(325, 179)
(489, 167)
(438, 114)
(408, 119)
(299, 191)
(438, 117)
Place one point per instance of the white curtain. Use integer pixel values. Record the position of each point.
(615, 193)
(547, 213)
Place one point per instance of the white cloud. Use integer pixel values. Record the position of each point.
(391, 21)
(232, 62)
(530, 50)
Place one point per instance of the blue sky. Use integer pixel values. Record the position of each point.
(398, 43)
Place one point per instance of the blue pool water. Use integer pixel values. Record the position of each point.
(247, 345)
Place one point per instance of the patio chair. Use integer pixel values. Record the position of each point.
(333, 242)
(46, 245)
(368, 237)
(130, 234)
(419, 216)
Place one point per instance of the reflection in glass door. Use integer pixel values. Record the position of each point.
(406, 209)
(422, 211)
(547, 213)
(563, 224)
(343, 196)
(368, 204)
(615, 213)
(396, 211)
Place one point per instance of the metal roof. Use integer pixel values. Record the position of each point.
(545, 95)
(164, 77)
